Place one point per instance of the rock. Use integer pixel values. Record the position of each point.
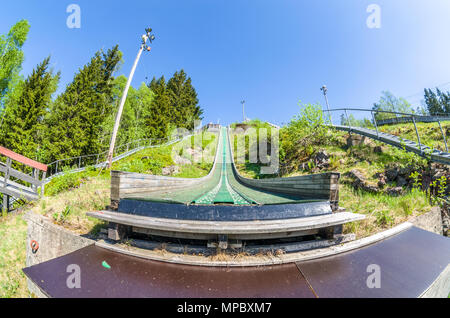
(322, 160)
(360, 181)
(170, 170)
(303, 166)
(401, 182)
(391, 174)
(406, 172)
(438, 173)
(195, 154)
(381, 183)
(378, 149)
(379, 175)
(356, 140)
(181, 161)
(395, 191)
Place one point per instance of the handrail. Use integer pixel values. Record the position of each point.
(99, 156)
(11, 188)
(375, 122)
(98, 162)
(22, 159)
(383, 111)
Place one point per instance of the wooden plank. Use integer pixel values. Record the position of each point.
(21, 194)
(8, 168)
(22, 159)
(229, 227)
(22, 176)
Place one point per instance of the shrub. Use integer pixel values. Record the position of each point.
(300, 138)
(64, 182)
(384, 218)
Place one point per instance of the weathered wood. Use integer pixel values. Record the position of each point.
(229, 227)
(7, 171)
(22, 159)
(17, 190)
(317, 186)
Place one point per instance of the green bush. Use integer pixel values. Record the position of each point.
(384, 218)
(301, 138)
(63, 182)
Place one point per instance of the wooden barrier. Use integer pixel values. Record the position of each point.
(126, 183)
(319, 186)
(10, 188)
(314, 186)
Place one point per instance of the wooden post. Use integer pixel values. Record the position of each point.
(8, 166)
(43, 183)
(35, 175)
(4, 211)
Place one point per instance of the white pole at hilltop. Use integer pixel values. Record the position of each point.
(324, 89)
(243, 112)
(143, 46)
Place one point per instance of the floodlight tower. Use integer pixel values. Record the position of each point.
(324, 89)
(243, 113)
(144, 46)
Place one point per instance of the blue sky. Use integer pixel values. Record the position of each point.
(270, 53)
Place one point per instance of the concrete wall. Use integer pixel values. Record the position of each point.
(54, 241)
(431, 221)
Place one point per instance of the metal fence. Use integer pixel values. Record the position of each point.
(79, 163)
(345, 117)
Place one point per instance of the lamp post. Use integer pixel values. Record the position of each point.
(324, 89)
(243, 113)
(147, 36)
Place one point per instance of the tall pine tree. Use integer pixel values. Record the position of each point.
(158, 120)
(76, 118)
(23, 126)
(432, 102)
(183, 101)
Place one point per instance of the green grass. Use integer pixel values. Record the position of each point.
(194, 171)
(150, 160)
(382, 211)
(13, 233)
(429, 133)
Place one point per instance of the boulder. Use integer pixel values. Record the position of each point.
(396, 191)
(391, 174)
(381, 183)
(356, 140)
(181, 161)
(401, 182)
(170, 170)
(359, 181)
(322, 160)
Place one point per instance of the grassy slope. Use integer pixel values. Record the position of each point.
(67, 200)
(429, 133)
(382, 211)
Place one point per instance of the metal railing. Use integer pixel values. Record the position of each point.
(418, 118)
(414, 118)
(79, 163)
